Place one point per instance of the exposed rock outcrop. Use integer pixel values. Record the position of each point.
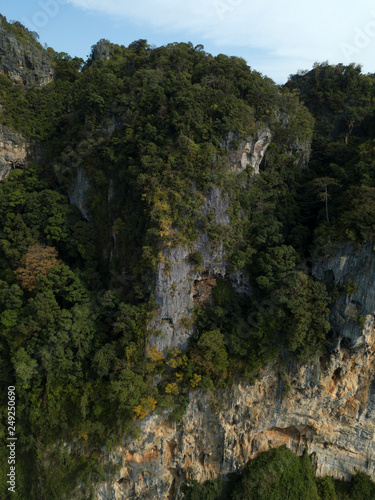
(13, 151)
(181, 283)
(353, 271)
(101, 51)
(328, 406)
(176, 276)
(22, 59)
(302, 150)
(78, 192)
(249, 152)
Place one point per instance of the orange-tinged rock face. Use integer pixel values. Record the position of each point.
(328, 409)
(329, 406)
(202, 290)
(13, 151)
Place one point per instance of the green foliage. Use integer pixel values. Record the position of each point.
(146, 128)
(279, 474)
(362, 487)
(276, 475)
(72, 349)
(210, 490)
(326, 488)
(350, 288)
(210, 355)
(340, 171)
(23, 35)
(361, 320)
(196, 258)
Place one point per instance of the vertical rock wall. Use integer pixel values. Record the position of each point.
(179, 282)
(13, 151)
(327, 405)
(21, 59)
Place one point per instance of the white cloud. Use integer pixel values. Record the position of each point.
(290, 31)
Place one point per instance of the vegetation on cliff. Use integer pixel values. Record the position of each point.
(338, 189)
(278, 474)
(146, 126)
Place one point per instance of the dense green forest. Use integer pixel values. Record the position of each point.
(76, 302)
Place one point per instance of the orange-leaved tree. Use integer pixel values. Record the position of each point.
(38, 260)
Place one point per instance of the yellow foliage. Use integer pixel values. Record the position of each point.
(166, 230)
(162, 258)
(173, 352)
(173, 363)
(171, 388)
(160, 201)
(129, 353)
(154, 354)
(146, 406)
(163, 206)
(194, 381)
(180, 361)
(173, 357)
(84, 436)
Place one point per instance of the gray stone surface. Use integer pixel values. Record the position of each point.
(23, 61)
(247, 153)
(177, 275)
(357, 267)
(102, 50)
(176, 278)
(78, 192)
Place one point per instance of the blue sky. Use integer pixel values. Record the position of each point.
(276, 38)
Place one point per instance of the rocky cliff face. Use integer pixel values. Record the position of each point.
(21, 58)
(328, 406)
(23, 61)
(353, 272)
(101, 51)
(78, 192)
(247, 152)
(181, 283)
(13, 151)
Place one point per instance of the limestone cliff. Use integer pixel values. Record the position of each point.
(352, 271)
(249, 152)
(22, 59)
(180, 283)
(78, 192)
(327, 405)
(13, 151)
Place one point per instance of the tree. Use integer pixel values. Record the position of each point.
(321, 184)
(37, 261)
(210, 354)
(278, 474)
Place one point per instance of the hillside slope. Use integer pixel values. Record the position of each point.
(186, 254)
